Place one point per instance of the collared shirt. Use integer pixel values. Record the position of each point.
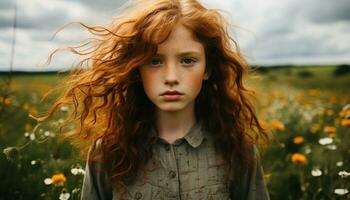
(189, 168)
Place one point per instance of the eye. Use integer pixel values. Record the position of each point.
(188, 61)
(155, 62)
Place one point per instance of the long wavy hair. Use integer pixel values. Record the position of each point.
(109, 102)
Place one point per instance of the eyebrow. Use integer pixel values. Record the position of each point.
(185, 53)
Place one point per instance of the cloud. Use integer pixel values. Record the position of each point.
(268, 32)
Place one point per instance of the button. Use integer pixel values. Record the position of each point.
(138, 195)
(172, 174)
(167, 147)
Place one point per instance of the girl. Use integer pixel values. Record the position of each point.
(162, 101)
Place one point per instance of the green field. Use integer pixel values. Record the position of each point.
(304, 108)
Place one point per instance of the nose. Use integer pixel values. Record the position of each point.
(171, 74)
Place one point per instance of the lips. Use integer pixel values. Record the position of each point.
(171, 96)
(171, 93)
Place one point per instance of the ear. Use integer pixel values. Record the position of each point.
(206, 75)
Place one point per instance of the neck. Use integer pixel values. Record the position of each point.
(174, 125)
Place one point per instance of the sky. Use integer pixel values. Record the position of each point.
(269, 32)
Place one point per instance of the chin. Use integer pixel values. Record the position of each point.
(171, 108)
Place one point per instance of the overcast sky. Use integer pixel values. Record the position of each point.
(269, 32)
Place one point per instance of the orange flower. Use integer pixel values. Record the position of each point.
(58, 179)
(298, 159)
(329, 129)
(345, 122)
(343, 113)
(275, 124)
(298, 140)
(28, 127)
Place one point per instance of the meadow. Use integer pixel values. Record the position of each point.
(305, 109)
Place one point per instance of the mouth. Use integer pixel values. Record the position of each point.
(172, 95)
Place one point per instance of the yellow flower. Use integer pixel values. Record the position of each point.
(298, 140)
(58, 179)
(7, 101)
(275, 124)
(315, 128)
(298, 159)
(345, 122)
(330, 112)
(26, 106)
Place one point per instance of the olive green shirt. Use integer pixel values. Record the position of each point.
(190, 168)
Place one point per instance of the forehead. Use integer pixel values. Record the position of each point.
(180, 39)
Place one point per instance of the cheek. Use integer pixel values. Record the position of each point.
(148, 82)
(196, 80)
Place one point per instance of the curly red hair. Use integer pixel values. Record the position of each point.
(109, 102)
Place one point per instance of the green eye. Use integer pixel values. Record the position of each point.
(187, 61)
(155, 62)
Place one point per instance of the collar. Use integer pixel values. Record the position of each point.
(194, 136)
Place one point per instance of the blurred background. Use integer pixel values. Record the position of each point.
(300, 55)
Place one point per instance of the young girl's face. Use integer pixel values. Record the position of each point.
(173, 78)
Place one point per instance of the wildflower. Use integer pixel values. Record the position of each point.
(345, 122)
(26, 134)
(307, 150)
(77, 171)
(331, 147)
(298, 158)
(48, 181)
(316, 172)
(32, 136)
(341, 191)
(58, 179)
(315, 128)
(330, 113)
(7, 101)
(64, 195)
(33, 162)
(275, 124)
(298, 140)
(344, 174)
(329, 129)
(11, 153)
(28, 127)
(339, 163)
(25, 106)
(325, 141)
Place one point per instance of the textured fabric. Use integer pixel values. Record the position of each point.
(190, 168)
